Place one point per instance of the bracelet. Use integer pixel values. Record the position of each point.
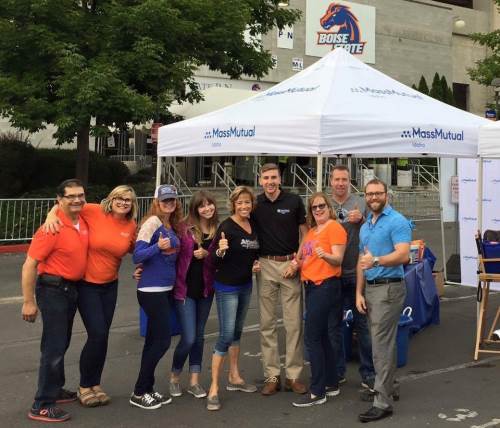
(220, 253)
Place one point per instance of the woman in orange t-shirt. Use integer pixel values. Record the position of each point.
(112, 232)
(320, 257)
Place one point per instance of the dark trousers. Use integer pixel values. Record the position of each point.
(360, 327)
(57, 304)
(96, 304)
(193, 316)
(156, 305)
(323, 319)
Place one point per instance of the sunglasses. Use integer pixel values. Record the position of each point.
(318, 207)
(340, 214)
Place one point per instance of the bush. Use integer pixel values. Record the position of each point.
(17, 163)
(24, 169)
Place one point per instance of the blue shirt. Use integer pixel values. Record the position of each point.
(380, 238)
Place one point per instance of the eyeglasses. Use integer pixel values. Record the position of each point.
(74, 197)
(372, 194)
(318, 207)
(123, 201)
(168, 201)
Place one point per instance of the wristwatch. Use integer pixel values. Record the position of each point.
(376, 262)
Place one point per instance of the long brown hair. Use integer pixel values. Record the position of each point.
(175, 218)
(193, 218)
(310, 218)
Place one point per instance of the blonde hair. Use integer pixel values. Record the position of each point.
(118, 192)
(236, 193)
(310, 218)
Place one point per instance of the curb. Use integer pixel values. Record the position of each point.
(13, 249)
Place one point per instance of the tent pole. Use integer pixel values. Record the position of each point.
(441, 220)
(319, 172)
(158, 170)
(480, 196)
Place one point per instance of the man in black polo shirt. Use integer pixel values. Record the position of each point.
(279, 217)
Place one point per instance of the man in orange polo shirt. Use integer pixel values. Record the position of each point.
(55, 263)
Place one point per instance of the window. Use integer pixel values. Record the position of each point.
(463, 3)
(461, 95)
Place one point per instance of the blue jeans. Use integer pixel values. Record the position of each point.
(360, 326)
(156, 305)
(232, 307)
(57, 304)
(323, 319)
(96, 304)
(192, 315)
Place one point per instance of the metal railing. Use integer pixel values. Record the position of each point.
(21, 218)
(142, 161)
(173, 176)
(425, 175)
(301, 176)
(221, 174)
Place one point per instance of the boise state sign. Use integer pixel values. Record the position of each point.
(340, 25)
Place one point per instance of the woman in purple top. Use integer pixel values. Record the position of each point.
(193, 290)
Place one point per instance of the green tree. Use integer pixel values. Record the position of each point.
(118, 61)
(447, 92)
(422, 86)
(436, 88)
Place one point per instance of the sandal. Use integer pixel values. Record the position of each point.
(101, 395)
(88, 398)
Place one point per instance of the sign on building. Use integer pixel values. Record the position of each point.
(297, 64)
(340, 24)
(285, 37)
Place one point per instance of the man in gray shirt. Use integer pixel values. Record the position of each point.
(350, 211)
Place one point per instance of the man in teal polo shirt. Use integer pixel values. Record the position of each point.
(384, 244)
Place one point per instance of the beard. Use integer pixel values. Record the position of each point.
(377, 207)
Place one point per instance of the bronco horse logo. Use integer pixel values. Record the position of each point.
(340, 16)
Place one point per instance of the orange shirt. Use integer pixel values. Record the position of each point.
(63, 254)
(109, 240)
(313, 268)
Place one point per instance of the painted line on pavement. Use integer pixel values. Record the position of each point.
(9, 300)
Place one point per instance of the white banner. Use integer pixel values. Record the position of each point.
(285, 37)
(340, 24)
(468, 192)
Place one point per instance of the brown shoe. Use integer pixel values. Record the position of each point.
(271, 385)
(296, 386)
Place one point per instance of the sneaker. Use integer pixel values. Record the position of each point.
(175, 389)
(213, 403)
(48, 414)
(342, 380)
(307, 400)
(145, 401)
(243, 387)
(66, 396)
(332, 391)
(163, 399)
(197, 391)
(368, 384)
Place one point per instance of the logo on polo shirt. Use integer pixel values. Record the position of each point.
(283, 211)
(125, 234)
(250, 244)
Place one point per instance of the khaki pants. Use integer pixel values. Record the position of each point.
(385, 303)
(271, 285)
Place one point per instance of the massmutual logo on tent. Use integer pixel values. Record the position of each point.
(436, 134)
(340, 24)
(231, 132)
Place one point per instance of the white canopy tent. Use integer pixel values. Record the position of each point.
(337, 106)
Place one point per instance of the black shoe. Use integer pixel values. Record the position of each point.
(66, 396)
(368, 384)
(48, 414)
(332, 391)
(307, 400)
(374, 414)
(342, 380)
(145, 401)
(163, 399)
(367, 395)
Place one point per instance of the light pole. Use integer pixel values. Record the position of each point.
(496, 85)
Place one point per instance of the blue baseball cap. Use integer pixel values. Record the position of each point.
(166, 191)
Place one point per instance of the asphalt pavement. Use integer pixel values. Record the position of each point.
(441, 386)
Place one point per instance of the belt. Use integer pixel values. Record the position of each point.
(383, 280)
(55, 280)
(280, 258)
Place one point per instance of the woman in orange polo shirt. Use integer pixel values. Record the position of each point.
(112, 231)
(320, 257)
